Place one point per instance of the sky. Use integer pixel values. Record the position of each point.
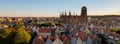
(53, 8)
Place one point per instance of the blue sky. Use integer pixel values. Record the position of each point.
(52, 8)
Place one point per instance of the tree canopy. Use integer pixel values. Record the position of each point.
(22, 36)
(14, 36)
(5, 33)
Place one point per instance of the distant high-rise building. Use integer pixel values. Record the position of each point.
(74, 18)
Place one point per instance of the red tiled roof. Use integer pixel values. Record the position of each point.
(93, 36)
(69, 37)
(44, 30)
(66, 40)
(39, 40)
(48, 37)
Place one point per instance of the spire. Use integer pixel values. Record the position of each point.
(65, 12)
(62, 13)
(69, 12)
(74, 12)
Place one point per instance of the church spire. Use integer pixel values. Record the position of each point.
(74, 12)
(62, 13)
(65, 12)
(69, 12)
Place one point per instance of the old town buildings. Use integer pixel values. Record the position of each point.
(74, 18)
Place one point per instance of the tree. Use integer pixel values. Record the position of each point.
(36, 23)
(14, 36)
(112, 30)
(45, 24)
(118, 42)
(59, 24)
(103, 38)
(5, 36)
(118, 31)
(5, 33)
(22, 36)
(51, 24)
(18, 24)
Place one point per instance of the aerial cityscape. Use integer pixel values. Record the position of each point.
(59, 22)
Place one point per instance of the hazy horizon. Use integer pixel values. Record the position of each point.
(53, 8)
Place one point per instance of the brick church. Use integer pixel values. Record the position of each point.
(74, 19)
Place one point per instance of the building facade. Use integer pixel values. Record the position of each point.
(74, 19)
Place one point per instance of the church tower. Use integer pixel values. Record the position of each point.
(84, 11)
